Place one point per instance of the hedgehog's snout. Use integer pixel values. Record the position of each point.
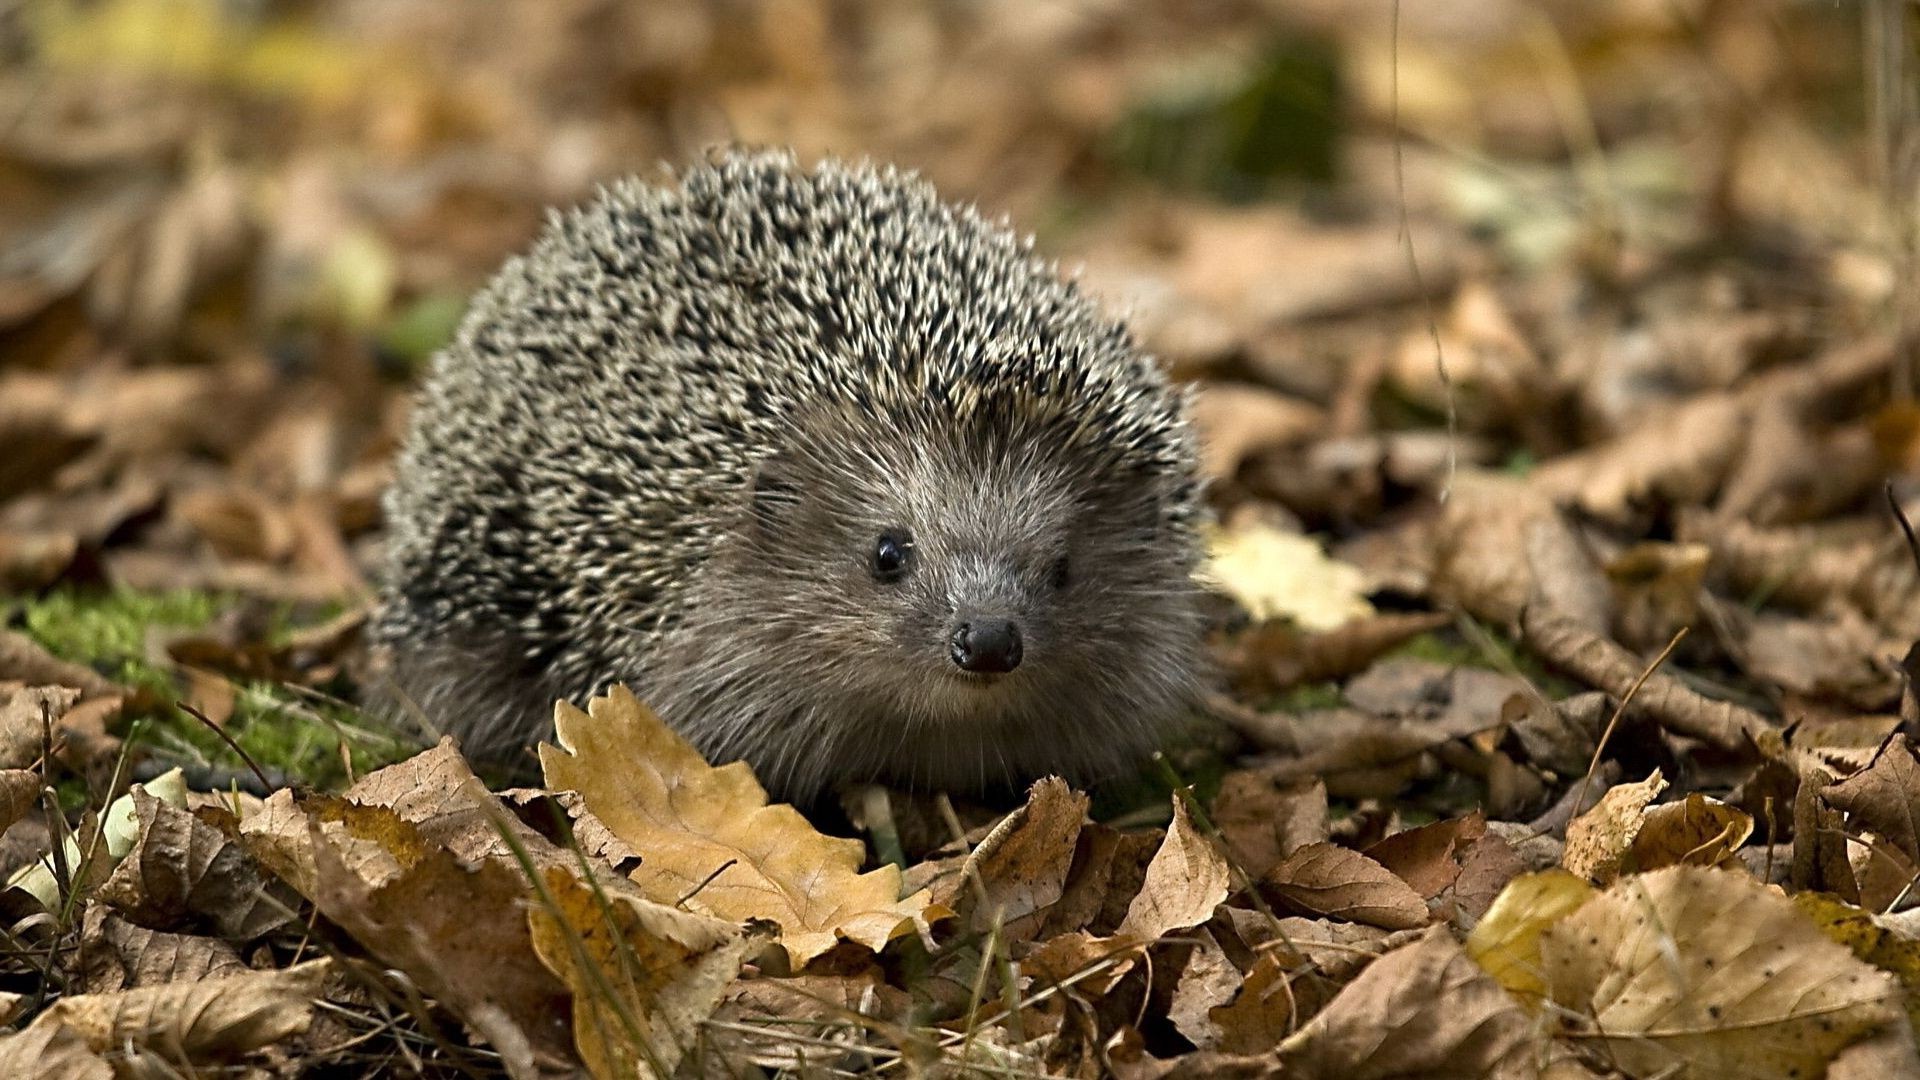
(986, 646)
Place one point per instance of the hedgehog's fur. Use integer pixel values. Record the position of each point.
(663, 443)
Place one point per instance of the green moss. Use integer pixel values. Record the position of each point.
(1307, 697)
(108, 630)
(294, 734)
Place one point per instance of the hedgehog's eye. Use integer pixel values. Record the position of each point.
(891, 554)
(1061, 573)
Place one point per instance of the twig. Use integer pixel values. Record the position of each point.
(259, 774)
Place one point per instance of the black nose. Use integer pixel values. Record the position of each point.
(986, 646)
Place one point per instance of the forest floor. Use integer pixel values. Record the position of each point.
(1556, 370)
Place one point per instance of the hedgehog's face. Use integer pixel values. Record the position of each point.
(960, 581)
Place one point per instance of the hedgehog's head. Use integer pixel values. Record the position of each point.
(964, 597)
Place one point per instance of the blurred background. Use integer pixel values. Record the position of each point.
(233, 231)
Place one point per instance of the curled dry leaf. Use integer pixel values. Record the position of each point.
(1597, 841)
(193, 1024)
(1696, 831)
(1429, 858)
(1709, 973)
(1421, 1010)
(709, 840)
(1021, 865)
(1604, 664)
(19, 793)
(1267, 1008)
(1884, 797)
(643, 975)
(183, 868)
(1677, 459)
(1263, 822)
(1276, 655)
(1880, 803)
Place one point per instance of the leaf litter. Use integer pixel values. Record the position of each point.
(1564, 610)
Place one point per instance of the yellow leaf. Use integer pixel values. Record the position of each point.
(1598, 840)
(1694, 972)
(643, 975)
(1275, 574)
(1506, 941)
(709, 841)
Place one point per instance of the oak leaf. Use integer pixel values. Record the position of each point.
(710, 842)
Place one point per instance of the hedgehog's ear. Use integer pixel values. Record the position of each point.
(773, 491)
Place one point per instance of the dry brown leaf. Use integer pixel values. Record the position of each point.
(183, 868)
(1493, 373)
(25, 712)
(1186, 880)
(1277, 655)
(1879, 801)
(117, 955)
(1676, 459)
(1421, 1010)
(191, 1024)
(1428, 858)
(1263, 823)
(1597, 841)
(1327, 879)
(1237, 421)
(1604, 664)
(1207, 982)
(1709, 972)
(19, 794)
(1266, 1010)
(643, 975)
(1884, 797)
(709, 841)
(51, 1052)
(1108, 868)
(1696, 831)
(1021, 865)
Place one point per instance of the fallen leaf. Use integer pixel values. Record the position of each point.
(1274, 574)
(194, 1024)
(1695, 969)
(1697, 831)
(118, 955)
(709, 841)
(1236, 421)
(51, 1052)
(1598, 840)
(1421, 1010)
(644, 976)
(1263, 822)
(1428, 857)
(1022, 864)
(182, 868)
(1327, 879)
(1506, 941)
(1185, 882)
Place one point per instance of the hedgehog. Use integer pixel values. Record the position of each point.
(844, 480)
